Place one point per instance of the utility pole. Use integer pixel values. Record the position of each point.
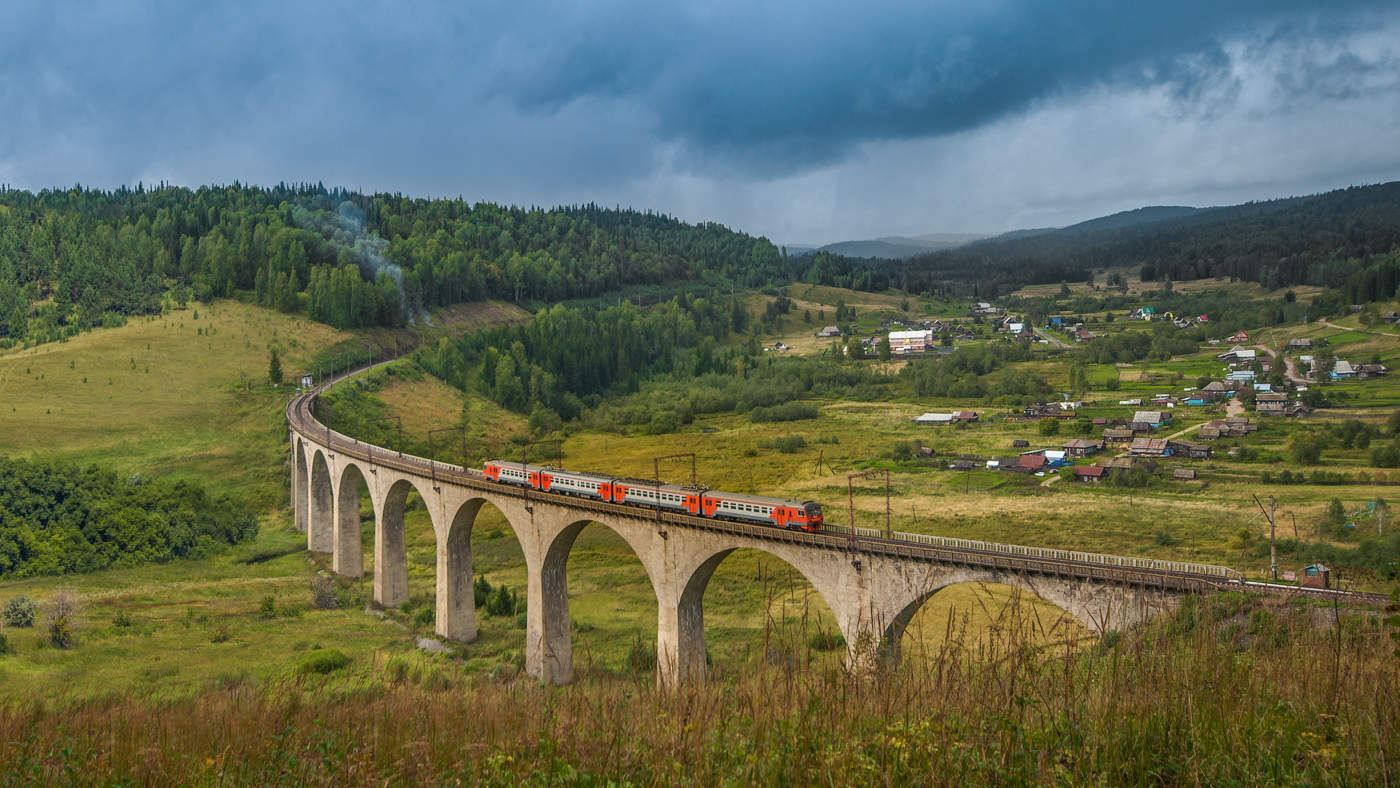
(1273, 554)
(851, 500)
(656, 466)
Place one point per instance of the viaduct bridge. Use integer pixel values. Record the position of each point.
(872, 584)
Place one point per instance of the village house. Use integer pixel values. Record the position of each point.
(965, 416)
(1020, 443)
(1296, 410)
(1390, 317)
(1270, 404)
(1367, 371)
(1026, 463)
(934, 418)
(1240, 426)
(1300, 343)
(1201, 398)
(1191, 449)
(1081, 447)
(1239, 337)
(1090, 473)
(1343, 370)
(1149, 447)
(905, 342)
(1117, 435)
(1152, 418)
(1238, 355)
(829, 331)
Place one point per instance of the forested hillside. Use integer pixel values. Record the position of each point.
(1318, 240)
(76, 258)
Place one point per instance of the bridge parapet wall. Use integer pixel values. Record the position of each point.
(873, 593)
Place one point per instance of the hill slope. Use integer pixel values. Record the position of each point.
(1297, 240)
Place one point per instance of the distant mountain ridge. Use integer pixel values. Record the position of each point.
(1290, 240)
(893, 247)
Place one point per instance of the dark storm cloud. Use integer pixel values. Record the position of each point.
(718, 110)
(788, 85)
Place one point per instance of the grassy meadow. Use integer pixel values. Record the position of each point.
(993, 683)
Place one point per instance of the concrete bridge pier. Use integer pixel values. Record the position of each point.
(319, 526)
(347, 557)
(300, 502)
(454, 598)
(390, 547)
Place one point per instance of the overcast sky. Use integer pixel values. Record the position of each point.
(806, 121)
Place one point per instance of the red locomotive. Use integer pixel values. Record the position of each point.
(777, 512)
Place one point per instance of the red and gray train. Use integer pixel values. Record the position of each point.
(777, 512)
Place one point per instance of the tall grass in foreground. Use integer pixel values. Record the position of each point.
(1227, 691)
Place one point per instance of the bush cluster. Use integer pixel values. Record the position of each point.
(57, 518)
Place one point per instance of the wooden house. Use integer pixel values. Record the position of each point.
(1184, 474)
(1153, 418)
(1117, 435)
(1191, 449)
(1150, 447)
(1270, 404)
(1081, 447)
(1090, 473)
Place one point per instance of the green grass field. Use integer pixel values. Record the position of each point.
(203, 412)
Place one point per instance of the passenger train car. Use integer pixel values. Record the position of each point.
(777, 512)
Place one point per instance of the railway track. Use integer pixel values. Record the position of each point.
(1139, 572)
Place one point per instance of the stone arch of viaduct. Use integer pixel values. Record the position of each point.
(872, 597)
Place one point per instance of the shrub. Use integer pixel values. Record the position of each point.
(323, 595)
(20, 612)
(323, 661)
(61, 610)
(267, 608)
(5, 647)
(481, 590)
(1049, 426)
(122, 619)
(905, 450)
(501, 602)
(786, 444)
(425, 617)
(221, 635)
(826, 641)
(396, 669)
(790, 411)
(641, 657)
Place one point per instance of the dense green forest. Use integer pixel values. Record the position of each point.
(57, 519)
(655, 367)
(568, 357)
(71, 259)
(76, 258)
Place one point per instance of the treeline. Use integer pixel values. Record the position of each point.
(763, 386)
(58, 519)
(963, 373)
(568, 358)
(834, 270)
(69, 258)
(1125, 347)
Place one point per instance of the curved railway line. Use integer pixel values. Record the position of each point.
(1139, 572)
